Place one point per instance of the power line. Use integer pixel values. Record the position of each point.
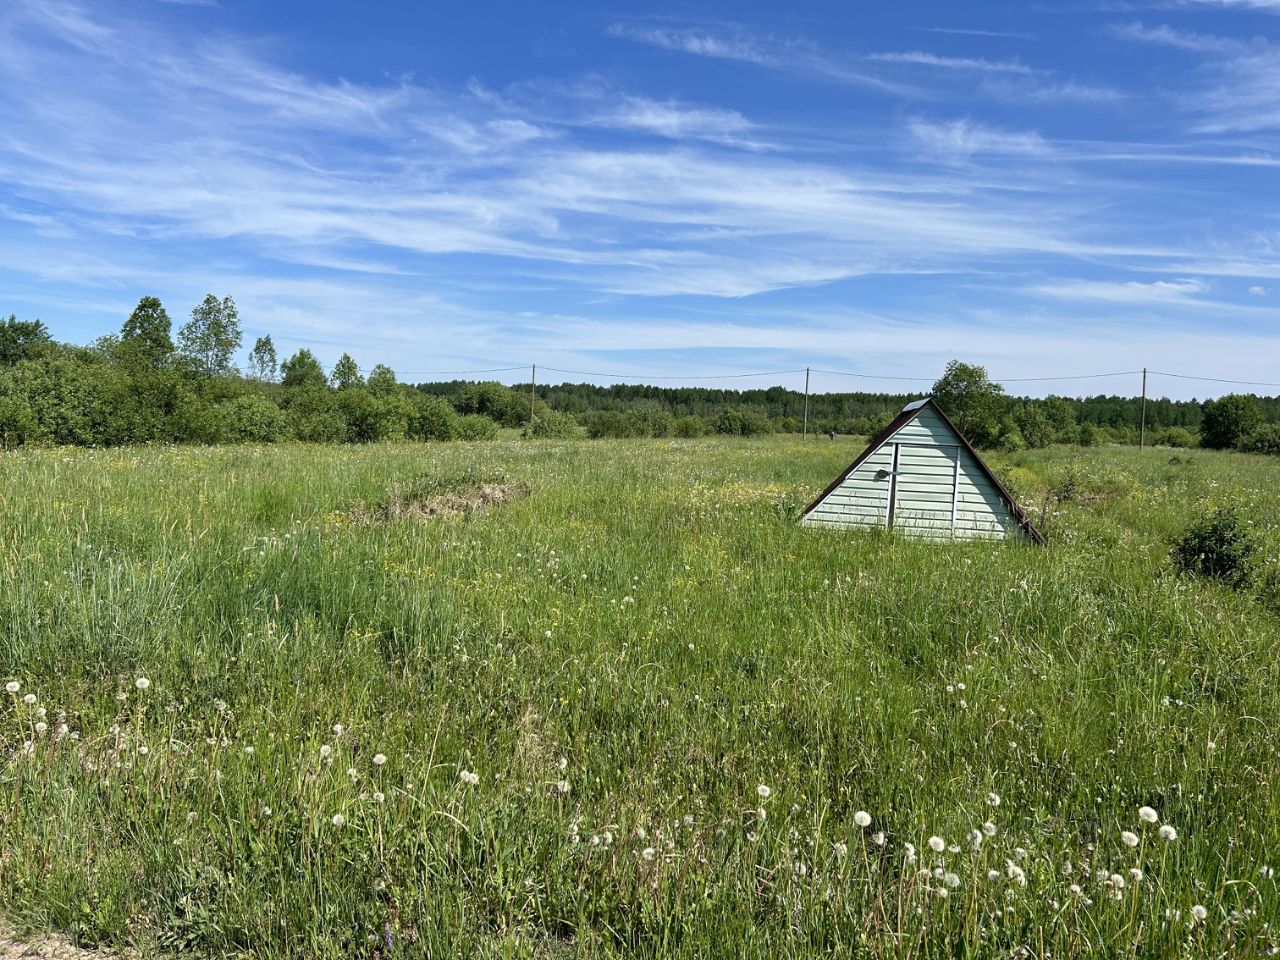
(1187, 376)
(692, 376)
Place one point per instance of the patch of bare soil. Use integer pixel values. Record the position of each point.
(48, 946)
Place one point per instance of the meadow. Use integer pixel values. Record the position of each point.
(261, 702)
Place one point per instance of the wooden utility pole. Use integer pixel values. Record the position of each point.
(805, 435)
(533, 385)
(1142, 436)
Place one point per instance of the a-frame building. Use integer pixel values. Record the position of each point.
(921, 477)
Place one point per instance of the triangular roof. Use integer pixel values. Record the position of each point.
(909, 413)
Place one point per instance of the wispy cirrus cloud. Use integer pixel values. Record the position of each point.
(964, 138)
(1238, 87)
(970, 32)
(920, 58)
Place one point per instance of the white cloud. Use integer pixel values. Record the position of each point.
(964, 138)
(920, 58)
(1257, 291)
(1159, 292)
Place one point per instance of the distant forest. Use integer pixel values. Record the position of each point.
(148, 384)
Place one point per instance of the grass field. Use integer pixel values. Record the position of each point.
(634, 711)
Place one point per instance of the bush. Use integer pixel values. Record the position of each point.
(691, 426)
(553, 425)
(1087, 435)
(742, 423)
(1178, 437)
(252, 419)
(476, 427)
(1217, 546)
(313, 415)
(435, 419)
(1010, 438)
(602, 424)
(1265, 439)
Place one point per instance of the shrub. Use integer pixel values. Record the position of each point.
(601, 424)
(691, 426)
(1010, 438)
(1265, 439)
(476, 427)
(1087, 435)
(314, 416)
(553, 425)
(742, 423)
(1217, 546)
(1179, 437)
(252, 419)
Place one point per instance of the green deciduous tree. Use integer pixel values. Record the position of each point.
(211, 336)
(146, 333)
(263, 364)
(346, 373)
(21, 340)
(303, 370)
(973, 402)
(1229, 419)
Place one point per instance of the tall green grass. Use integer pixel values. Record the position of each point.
(621, 660)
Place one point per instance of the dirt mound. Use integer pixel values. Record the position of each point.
(423, 498)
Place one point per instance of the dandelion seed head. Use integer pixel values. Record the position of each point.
(878, 838)
(763, 792)
(1128, 838)
(1148, 815)
(1167, 832)
(338, 820)
(142, 683)
(13, 686)
(29, 699)
(993, 799)
(379, 759)
(862, 818)
(937, 844)
(1199, 913)
(649, 853)
(989, 829)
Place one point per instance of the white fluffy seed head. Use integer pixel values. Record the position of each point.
(1167, 832)
(763, 792)
(379, 759)
(862, 818)
(29, 699)
(142, 683)
(1200, 913)
(937, 844)
(1128, 838)
(993, 799)
(1148, 815)
(338, 820)
(13, 686)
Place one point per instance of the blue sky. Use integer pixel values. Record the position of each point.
(679, 189)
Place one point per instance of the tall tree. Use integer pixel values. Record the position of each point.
(382, 379)
(972, 400)
(303, 370)
(346, 374)
(262, 360)
(146, 332)
(1228, 420)
(21, 340)
(211, 336)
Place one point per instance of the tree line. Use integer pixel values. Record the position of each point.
(145, 384)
